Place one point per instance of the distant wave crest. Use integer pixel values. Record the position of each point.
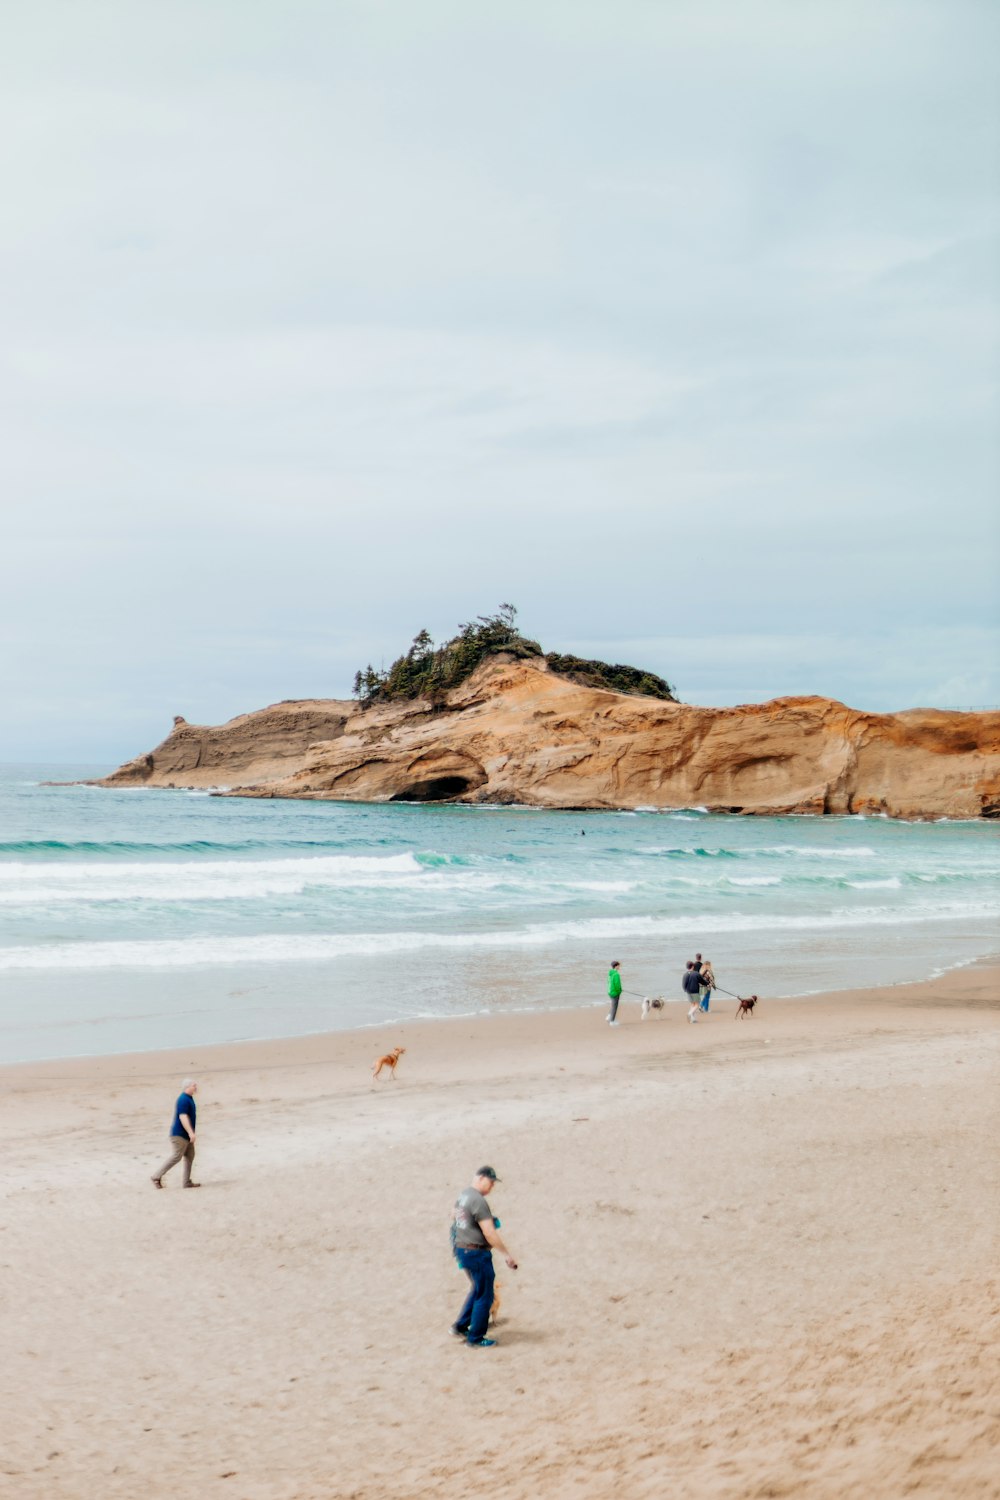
(322, 947)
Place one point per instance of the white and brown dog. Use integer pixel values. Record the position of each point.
(652, 1003)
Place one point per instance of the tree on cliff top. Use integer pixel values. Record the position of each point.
(426, 671)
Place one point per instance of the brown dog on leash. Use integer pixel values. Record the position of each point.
(745, 1007)
(389, 1060)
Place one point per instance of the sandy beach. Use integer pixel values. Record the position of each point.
(757, 1258)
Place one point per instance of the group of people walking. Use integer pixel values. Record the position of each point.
(698, 982)
(475, 1230)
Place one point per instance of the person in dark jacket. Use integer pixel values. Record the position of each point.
(691, 984)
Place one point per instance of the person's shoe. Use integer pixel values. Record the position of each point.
(460, 1333)
(480, 1343)
(156, 1182)
(612, 1023)
(192, 1184)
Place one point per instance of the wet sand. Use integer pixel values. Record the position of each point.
(757, 1258)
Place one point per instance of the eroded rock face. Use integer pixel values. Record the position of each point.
(516, 732)
(257, 746)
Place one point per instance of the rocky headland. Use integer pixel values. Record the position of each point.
(517, 731)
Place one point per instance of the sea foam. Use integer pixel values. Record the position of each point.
(281, 948)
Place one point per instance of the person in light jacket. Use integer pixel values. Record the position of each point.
(707, 977)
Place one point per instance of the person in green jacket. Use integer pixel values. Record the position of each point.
(614, 992)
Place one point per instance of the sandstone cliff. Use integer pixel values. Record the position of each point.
(516, 732)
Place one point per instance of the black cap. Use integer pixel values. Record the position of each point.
(488, 1172)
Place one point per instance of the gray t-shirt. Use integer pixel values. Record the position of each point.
(471, 1208)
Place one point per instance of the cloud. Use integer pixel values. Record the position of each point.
(716, 668)
(325, 322)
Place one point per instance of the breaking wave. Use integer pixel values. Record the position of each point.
(281, 948)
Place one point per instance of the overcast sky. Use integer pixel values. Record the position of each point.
(674, 323)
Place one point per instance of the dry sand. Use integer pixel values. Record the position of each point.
(757, 1259)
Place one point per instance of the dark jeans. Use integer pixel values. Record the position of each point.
(613, 1006)
(474, 1318)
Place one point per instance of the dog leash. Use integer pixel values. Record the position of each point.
(733, 996)
(638, 995)
(716, 988)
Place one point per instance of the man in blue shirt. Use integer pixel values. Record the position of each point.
(182, 1135)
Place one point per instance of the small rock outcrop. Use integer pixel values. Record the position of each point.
(252, 747)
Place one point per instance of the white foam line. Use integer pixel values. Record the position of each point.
(317, 865)
(322, 947)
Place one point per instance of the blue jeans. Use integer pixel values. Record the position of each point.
(706, 997)
(474, 1318)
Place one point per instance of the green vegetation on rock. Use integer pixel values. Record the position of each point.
(429, 671)
(619, 678)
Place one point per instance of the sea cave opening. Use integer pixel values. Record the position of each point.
(437, 789)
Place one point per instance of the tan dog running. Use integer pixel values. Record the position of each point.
(388, 1060)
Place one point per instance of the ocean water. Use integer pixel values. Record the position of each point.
(133, 919)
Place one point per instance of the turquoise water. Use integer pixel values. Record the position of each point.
(146, 919)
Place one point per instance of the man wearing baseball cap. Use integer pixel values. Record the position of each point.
(475, 1237)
